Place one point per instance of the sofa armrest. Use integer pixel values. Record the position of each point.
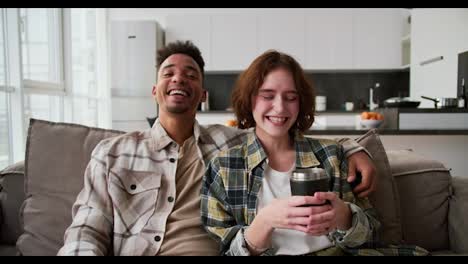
(11, 198)
(458, 213)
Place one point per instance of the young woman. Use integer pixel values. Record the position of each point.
(246, 198)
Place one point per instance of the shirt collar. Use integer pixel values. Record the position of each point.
(161, 139)
(305, 157)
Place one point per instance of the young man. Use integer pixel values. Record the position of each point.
(141, 193)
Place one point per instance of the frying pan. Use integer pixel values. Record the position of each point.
(403, 102)
(443, 102)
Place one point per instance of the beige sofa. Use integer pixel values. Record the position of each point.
(417, 200)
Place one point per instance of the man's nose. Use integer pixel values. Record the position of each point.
(178, 78)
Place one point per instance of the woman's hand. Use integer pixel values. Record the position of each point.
(283, 214)
(339, 215)
(288, 213)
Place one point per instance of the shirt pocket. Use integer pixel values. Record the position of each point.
(134, 195)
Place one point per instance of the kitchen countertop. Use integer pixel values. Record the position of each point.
(428, 110)
(351, 130)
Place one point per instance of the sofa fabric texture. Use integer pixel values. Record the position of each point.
(385, 199)
(11, 199)
(425, 191)
(56, 157)
(458, 215)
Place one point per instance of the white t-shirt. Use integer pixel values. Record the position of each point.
(275, 184)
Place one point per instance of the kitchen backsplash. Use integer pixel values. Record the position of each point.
(338, 87)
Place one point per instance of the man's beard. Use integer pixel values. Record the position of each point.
(177, 109)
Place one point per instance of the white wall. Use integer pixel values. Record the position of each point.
(436, 32)
(159, 14)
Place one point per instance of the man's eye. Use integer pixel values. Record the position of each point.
(167, 74)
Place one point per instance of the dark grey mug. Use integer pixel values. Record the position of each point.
(305, 182)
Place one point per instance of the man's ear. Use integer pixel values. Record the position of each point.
(153, 92)
(204, 95)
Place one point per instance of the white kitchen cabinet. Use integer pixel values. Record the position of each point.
(133, 72)
(133, 57)
(283, 32)
(234, 41)
(194, 27)
(437, 36)
(328, 39)
(377, 38)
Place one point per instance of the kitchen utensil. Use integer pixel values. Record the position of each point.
(443, 102)
(404, 102)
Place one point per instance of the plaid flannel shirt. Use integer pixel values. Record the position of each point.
(123, 206)
(233, 179)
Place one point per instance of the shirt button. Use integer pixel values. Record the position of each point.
(133, 186)
(157, 238)
(170, 199)
(172, 160)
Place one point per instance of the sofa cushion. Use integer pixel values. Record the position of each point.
(385, 199)
(458, 215)
(56, 157)
(11, 198)
(424, 189)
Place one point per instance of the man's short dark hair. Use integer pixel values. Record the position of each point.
(181, 47)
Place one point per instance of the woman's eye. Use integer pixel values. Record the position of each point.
(291, 98)
(267, 97)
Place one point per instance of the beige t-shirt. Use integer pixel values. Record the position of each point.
(184, 232)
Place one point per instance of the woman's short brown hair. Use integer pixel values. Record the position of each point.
(248, 83)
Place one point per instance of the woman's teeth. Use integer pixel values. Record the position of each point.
(277, 120)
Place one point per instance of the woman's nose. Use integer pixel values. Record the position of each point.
(278, 103)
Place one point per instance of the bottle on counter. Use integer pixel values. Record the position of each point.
(205, 106)
(462, 103)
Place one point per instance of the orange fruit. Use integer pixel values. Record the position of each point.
(231, 123)
(365, 115)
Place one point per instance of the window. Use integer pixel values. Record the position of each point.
(4, 109)
(41, 48)
(49, 64)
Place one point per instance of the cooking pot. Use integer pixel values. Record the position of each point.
(404, 102)
(443, 102)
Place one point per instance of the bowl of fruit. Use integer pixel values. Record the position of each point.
(371, 119)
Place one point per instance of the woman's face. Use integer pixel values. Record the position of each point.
(276, 106)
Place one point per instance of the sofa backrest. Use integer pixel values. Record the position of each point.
(56, 157)
(385, 199)
(424, 187)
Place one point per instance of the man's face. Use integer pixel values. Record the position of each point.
(179, 89)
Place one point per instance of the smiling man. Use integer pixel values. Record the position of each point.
(141, 193)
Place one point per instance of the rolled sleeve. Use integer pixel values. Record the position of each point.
(239, 246)
(350, 147)
(360, 231)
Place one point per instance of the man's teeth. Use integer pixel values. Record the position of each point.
(178, 92)
(277, 119)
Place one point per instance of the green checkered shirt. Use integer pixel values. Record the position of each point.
(234, 177)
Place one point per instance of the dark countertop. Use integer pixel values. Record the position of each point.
(429, 110)
(384, 131)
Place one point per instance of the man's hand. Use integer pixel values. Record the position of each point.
(360, 162)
